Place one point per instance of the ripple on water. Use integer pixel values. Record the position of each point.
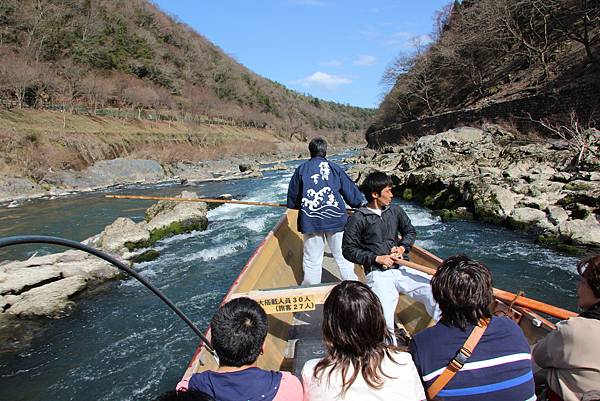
(215, 252)
(421, 217)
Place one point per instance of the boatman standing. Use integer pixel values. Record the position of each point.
(320, 190)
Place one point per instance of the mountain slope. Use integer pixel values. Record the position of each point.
(127, 60)
(488, 52)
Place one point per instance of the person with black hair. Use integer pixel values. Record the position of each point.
(569, 356)
(497, 367)
(238, 333)
(371, 240)
(320, 190)
(359, 363)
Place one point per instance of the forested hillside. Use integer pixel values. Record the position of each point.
(126, 59)
(486, 52)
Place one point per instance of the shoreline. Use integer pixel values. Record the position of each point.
(215, 170)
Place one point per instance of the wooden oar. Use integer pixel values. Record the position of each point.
(507, 297)
(207, 200)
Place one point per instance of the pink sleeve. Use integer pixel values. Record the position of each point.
(290, 388)
(183, 384)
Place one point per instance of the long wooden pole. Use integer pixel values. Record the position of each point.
(207, 200)
(507, 297)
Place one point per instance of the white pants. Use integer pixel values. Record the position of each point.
(312, 262)
(388, 284)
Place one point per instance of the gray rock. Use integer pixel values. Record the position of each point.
(19, 188)
(51, 300)
(539, 203)
(582, 232)
(110, 172)
(188, 215)
(43, 286)
(123, 234)
(526, 217)
(561, 177)
(556, 215)
(505, 199)
(19, 276)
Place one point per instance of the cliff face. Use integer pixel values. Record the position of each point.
(501, 60)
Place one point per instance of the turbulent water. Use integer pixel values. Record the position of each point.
(124, 344)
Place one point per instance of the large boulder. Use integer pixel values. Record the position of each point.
(529, 219)
(19, 188)
(172, 218)
(485, 174)
(44, 285)
(51, 300)
(122, 235)
(456, 147)
(493, 203)
(582, 232)
(106, 173)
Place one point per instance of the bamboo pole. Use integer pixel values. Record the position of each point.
(207, 200)
(507, 297)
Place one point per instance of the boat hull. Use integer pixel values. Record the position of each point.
(277, 264)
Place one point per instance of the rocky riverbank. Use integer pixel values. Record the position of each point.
(485, 174)
(47, 286)
(110, 173)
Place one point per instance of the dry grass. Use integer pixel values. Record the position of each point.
(34, 143)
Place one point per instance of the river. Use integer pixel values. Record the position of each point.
(124, 344)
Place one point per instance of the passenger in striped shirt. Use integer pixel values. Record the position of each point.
(499, 368)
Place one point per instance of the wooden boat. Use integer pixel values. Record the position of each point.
(272, 277)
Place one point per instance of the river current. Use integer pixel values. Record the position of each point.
(124, 344)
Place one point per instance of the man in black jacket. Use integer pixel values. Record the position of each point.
(371, 239)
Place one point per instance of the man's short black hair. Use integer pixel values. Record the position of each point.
(238, 332)
(376, 182)
(317, 147)
(463, 289)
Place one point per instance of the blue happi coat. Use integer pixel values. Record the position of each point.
(321, 189)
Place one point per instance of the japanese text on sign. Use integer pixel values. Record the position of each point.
(288, 304)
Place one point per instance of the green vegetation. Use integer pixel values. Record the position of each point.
(146, 256)
(556, 243)
(407, 194)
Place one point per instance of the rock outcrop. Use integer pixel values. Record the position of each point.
(485, 174)
(45, 286)
(106, 173)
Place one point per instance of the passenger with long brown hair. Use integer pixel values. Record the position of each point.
(359, 363)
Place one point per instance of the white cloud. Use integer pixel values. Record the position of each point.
(364, 60)
(331, 63)
(323, 80)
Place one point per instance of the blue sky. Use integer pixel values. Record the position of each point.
(332, 49)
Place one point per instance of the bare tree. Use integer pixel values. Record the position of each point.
(580, 21)
(140, 97)
(581, 138)
(17, 76)
(96, 89)
(529, 23)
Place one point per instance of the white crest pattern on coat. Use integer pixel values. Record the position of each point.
(321, 204)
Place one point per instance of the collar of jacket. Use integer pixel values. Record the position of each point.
(592, 313)
(366, 210)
